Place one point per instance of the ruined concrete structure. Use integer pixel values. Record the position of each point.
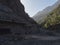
(13, 19)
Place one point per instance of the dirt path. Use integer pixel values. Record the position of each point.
(42, 37)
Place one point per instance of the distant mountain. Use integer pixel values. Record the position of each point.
(40, 16)
(53, 18)
(52, 21)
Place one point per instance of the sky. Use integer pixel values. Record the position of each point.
(34, 6)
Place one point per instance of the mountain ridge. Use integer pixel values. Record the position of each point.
(42, 14)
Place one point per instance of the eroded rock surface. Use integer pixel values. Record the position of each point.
(14, 20)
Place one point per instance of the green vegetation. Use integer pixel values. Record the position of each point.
(53, 18)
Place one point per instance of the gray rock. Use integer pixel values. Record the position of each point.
(14, 20)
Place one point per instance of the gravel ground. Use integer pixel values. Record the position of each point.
(13, 40)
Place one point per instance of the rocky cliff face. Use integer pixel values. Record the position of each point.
(14, 11)
(28, 24)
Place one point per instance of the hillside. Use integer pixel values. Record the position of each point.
(52, 21)
(54, 17)
(41, 15)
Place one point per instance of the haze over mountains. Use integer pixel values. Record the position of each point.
(41, 15)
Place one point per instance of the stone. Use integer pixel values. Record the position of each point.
(15, 21)
(14, 18)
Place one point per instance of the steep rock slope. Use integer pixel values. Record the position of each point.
(13, 16)
(14, 11)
